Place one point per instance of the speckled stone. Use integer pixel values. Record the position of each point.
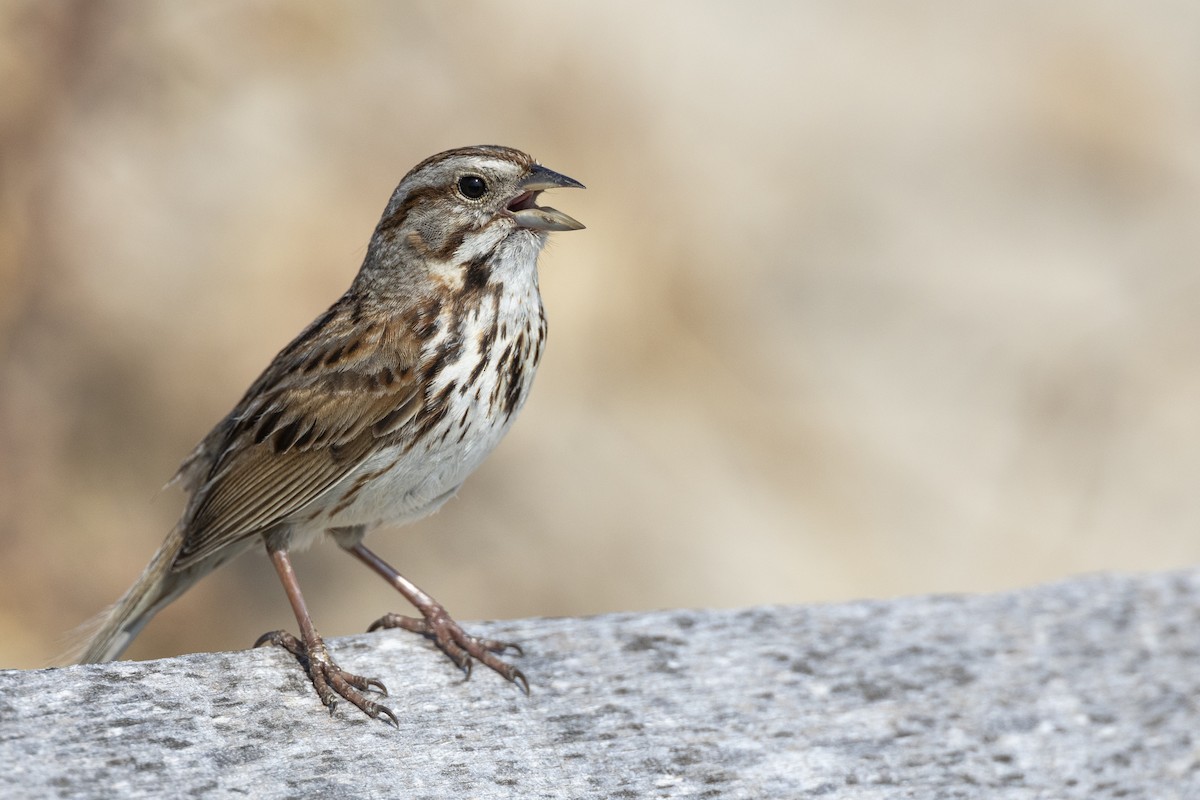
(1084, 689)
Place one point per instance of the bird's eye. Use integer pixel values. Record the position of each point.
(472, 186)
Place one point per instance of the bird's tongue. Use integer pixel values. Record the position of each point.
(524, 201)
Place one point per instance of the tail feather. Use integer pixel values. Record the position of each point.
(157, 586)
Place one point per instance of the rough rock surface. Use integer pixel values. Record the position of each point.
(1083, 689)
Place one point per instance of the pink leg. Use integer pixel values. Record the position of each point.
(438, 625)
(330, 680)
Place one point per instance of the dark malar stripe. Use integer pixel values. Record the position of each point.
(478, 273)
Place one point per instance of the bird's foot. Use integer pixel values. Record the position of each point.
(331, 681)
(462, 648)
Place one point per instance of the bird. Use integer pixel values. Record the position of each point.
(376, 413)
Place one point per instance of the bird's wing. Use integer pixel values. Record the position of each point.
(319, 411)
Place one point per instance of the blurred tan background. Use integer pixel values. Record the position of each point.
(873, 299)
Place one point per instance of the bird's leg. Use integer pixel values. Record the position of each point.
(330, 680)
(437, 624)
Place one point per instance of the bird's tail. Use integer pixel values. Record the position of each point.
(113, 630)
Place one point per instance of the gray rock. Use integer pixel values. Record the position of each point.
(1084, 689)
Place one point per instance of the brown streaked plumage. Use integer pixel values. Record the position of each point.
(378, 410)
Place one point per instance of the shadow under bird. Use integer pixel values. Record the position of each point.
(377, 412)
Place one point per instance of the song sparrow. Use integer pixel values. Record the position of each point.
(378, 411)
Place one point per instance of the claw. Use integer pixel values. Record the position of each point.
(282, 639)
(384, 711)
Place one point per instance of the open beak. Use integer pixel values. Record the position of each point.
(529, 214)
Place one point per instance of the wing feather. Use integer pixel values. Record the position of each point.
(328, 402)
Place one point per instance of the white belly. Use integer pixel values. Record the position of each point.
(411, 485)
